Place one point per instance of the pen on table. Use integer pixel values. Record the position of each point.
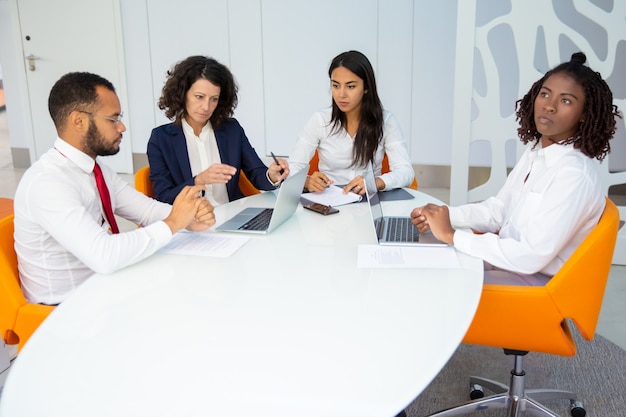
(282, 171)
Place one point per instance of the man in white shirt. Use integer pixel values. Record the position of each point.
(62, 232)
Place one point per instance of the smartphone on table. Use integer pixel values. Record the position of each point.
(321, 208)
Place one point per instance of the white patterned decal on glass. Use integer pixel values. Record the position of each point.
(515, 43)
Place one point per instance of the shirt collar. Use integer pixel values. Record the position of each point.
(555, 152)
(81, 159)
(188, 130)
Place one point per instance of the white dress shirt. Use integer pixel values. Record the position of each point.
(61, 234)
(540, 219)
(335, 152)
(203, 152)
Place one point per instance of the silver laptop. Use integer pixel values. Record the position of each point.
(263, 220)
(393, 230)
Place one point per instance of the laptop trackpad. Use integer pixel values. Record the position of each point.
(241, 218)
(429, 239)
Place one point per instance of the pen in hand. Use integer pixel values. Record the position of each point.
(282, 171)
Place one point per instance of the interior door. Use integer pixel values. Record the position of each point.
(63, 36)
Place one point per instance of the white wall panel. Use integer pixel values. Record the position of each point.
(201, 27)
(434, 49)
(394, 66)
(246, 63)
(299, 41)
(142, 109)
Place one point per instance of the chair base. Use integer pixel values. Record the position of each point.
(515, 398)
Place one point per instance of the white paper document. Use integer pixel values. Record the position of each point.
(204, 244)
(332, 196)
(376, 256)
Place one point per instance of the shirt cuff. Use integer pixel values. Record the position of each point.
(453, 213)
(275, 184)
(385, 182)
(462, 240)
(160, 232)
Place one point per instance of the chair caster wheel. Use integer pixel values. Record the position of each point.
(476, 392)
(577, 409)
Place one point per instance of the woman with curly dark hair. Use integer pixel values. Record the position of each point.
(553, 197)
(204, 145)
(352, 132)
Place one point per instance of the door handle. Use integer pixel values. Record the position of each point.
(31, 61)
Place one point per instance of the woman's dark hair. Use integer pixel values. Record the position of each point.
(181, 78)
(599, 112)
(75, 91)
(370, 130)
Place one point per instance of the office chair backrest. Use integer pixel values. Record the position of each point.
(6, 207)
(578, 287)
(535, 318)
(10, 292)
(246, 186)
(18, 318)
(142, 181)
(314, 167)
(314, 163)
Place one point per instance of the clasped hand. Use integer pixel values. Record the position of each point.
(191, 210)
(435, 218)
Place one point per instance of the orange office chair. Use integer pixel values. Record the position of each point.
(535, 318)
(246, 186)
(18, 318)
(143, 183)
(314, 166)
(6, 207)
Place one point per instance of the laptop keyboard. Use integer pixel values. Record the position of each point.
(400, 229)
(259, 222)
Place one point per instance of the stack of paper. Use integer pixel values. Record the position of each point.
(332, 196)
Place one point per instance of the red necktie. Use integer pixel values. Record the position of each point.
(105, 197)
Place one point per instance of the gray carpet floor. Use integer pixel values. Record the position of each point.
(597, 374)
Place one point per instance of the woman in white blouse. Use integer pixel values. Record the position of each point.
(554, 196)
(352, 132)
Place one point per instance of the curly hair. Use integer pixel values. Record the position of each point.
(181, 78)
(75, 91)
(370, 130)
(599, 111)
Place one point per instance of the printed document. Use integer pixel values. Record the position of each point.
(215, 245)
(332, 196)
(377, 256)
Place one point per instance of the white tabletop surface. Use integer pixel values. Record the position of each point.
(286, 326)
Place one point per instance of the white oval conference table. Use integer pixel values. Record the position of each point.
(288, 325)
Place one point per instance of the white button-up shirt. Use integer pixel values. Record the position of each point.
(335, 152)
(203, 152)
(540, 219)
(61, 234)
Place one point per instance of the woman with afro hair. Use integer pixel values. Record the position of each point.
(553, 197)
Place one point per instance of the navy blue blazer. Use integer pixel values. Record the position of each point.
(170, 169)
